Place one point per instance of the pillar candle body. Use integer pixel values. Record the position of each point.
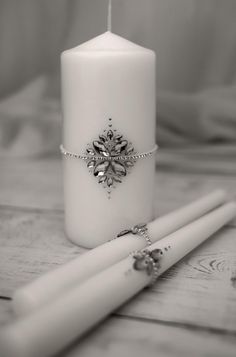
(108, 83)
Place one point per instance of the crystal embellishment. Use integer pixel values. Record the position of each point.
(110, 158)
(149, 261)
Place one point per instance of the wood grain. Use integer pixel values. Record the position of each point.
(32, 242)
(6, 313)
(138, 338)
(200, 290)
(197, 291)
(128, 337)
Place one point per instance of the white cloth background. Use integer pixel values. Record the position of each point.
(195, 43)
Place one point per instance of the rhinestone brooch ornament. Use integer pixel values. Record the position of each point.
(110, 157)
(149, 261)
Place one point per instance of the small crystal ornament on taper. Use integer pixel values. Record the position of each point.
(108, 97)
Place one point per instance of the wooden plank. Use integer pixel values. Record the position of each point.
(132, 338)
(38, 184)
(200, 290)
(138, 338)
(31, 244)
(6, 313)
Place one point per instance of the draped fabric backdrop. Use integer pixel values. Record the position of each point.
(196, 66)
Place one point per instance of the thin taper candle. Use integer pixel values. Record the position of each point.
(49, 329)
(52, 284)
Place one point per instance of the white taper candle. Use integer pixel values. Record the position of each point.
(55, 325)
(52, 284)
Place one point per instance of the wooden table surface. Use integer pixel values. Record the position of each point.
(191, 311)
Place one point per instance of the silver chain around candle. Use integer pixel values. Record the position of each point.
(140, 230)
(110, 157)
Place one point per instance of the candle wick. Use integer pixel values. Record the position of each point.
(109, 27)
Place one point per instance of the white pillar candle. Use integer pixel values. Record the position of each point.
(51, 285)
(55, 325)
(108, 89)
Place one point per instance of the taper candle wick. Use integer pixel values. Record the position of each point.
(109, 16)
